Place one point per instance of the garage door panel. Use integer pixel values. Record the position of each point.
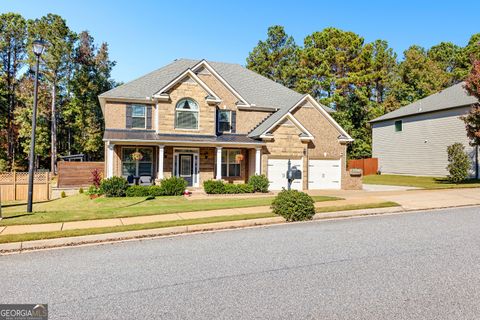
(324, 174)
(277, 174)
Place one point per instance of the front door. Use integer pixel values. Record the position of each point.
(186, 168)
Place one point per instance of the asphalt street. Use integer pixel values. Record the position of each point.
(422, 265)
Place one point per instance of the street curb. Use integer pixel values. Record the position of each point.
(17, 247)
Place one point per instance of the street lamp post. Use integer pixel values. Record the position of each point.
(38, 47)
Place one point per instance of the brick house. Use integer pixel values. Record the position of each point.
(208, 120)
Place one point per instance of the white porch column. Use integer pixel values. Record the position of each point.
(110, 150)
(218, 176)
(161, 156)
(258, 161)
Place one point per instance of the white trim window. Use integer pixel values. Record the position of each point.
(230, 165)
(141, 167)
(186, 114)
(224, 121)
(139, 116)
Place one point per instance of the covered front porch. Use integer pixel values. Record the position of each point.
(148, 162)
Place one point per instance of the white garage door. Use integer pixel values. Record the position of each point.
(277, 174)
(324, 174)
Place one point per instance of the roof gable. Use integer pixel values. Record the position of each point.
(451, 97)
(278, 116)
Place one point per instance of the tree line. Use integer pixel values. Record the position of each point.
(360, 80)
(73, 71)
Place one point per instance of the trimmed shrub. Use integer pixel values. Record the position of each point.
(92, 190)
(63, 194)
(458, 163)
(80, 190)
(293, 205)
(214, 187)
(155, 191)
(138, 191)
(114, 187)
(173, 186)
(259, 183)
(231, 188)
(220, 187)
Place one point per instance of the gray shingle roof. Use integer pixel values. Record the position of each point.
(253, 87)
(451, 97)
(150, 135)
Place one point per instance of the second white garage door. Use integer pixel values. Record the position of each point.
(277, 170)
(324, 174)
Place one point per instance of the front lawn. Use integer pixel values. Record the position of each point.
(80, 207)
(419, 182)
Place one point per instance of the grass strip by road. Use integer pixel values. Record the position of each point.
(154, 225)
(133, 227)
(81, 207)
(348, 207)
(419, 182)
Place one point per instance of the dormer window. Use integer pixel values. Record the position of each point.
(138, 116)
(186, 114)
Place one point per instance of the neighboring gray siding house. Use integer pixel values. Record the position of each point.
(413, 140)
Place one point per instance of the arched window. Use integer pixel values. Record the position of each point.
(186, 114)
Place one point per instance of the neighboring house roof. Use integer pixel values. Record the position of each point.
(142, 135)
(451, 97)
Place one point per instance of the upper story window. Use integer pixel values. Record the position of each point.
(186, 114)
(398, 126)
(138, 116)
(224, 120)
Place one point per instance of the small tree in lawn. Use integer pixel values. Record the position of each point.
(458, 163)
(472, 119)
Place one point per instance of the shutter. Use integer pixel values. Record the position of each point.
(234, 122)
(128, 124)
(149, 117)
(217, 124)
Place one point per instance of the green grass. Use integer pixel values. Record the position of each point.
(348, 207)
(419, 182)
(153, 225)
(81, 207)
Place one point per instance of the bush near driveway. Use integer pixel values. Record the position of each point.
(294, 205)
(259, 183)
(458, 163)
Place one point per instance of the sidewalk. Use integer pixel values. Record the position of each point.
(408, 200)
(86, 224)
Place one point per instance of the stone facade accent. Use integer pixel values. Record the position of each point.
(206, 116)
(115, 115)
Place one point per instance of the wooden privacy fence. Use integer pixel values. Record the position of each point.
(77, 174)
(369, 165)
(14, 186)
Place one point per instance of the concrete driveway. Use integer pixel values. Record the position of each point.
(417, 199)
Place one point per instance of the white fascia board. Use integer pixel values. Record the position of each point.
(326, 114)
(206, 65)
(187, 73)
(295, 122)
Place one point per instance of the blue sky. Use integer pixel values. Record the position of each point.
(145, 35)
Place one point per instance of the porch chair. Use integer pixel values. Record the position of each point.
(145, 181)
